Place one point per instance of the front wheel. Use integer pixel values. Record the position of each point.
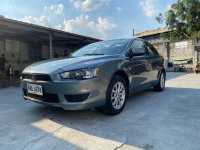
(160, 86)
(116, 96)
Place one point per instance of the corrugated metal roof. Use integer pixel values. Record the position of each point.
(24, 25)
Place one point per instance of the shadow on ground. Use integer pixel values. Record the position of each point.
(9, 82)
(175, 75)
(150, 121)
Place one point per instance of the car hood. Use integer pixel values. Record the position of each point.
(66, 64)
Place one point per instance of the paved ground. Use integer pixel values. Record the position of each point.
(153, 121)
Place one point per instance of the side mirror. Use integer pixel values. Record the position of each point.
(137, 52)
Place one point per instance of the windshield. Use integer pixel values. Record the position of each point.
(112, 47)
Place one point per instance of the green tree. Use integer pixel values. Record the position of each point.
(183, 20)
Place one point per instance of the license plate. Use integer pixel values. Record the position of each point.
(34, 89)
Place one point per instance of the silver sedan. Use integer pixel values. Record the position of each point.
(100, 75)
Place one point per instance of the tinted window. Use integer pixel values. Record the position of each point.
(137, 44)
(111, 47)
(151, 50)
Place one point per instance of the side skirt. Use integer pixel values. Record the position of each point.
(142, 88)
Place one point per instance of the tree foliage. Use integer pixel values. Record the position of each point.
(183, 20)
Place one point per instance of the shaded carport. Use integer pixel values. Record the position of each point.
(13, 29)
(35, 37)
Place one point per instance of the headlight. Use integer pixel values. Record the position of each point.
(81, 74)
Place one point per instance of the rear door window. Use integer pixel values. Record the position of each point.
(151, 50)
(138, 44)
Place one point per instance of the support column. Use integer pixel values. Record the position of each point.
(20, 57)
(50, 46)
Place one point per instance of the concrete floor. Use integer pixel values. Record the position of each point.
(153, 121)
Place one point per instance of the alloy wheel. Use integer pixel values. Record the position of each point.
(162, 80)
(118, 95)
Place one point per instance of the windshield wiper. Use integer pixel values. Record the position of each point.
(92, 54)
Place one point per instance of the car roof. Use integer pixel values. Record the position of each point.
(128, 39)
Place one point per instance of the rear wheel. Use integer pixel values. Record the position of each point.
(116, 96)
(197, 72)
(160, 86)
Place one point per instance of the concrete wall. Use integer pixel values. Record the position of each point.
(12, 53)
(24, 55)
(179, 52)
(24, 51)
(45, 51)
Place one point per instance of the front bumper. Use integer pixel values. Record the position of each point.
(69, 94)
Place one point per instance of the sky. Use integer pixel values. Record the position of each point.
(102, 19)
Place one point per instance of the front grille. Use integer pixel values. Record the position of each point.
(37, 77)
(77, 97)
(48, 98)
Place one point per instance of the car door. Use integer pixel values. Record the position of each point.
(154, 59)
(138, 67)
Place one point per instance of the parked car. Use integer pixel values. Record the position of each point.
(100, 75)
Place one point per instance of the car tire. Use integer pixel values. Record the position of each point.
(197, 72)
(160, 86)
(116, 96)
